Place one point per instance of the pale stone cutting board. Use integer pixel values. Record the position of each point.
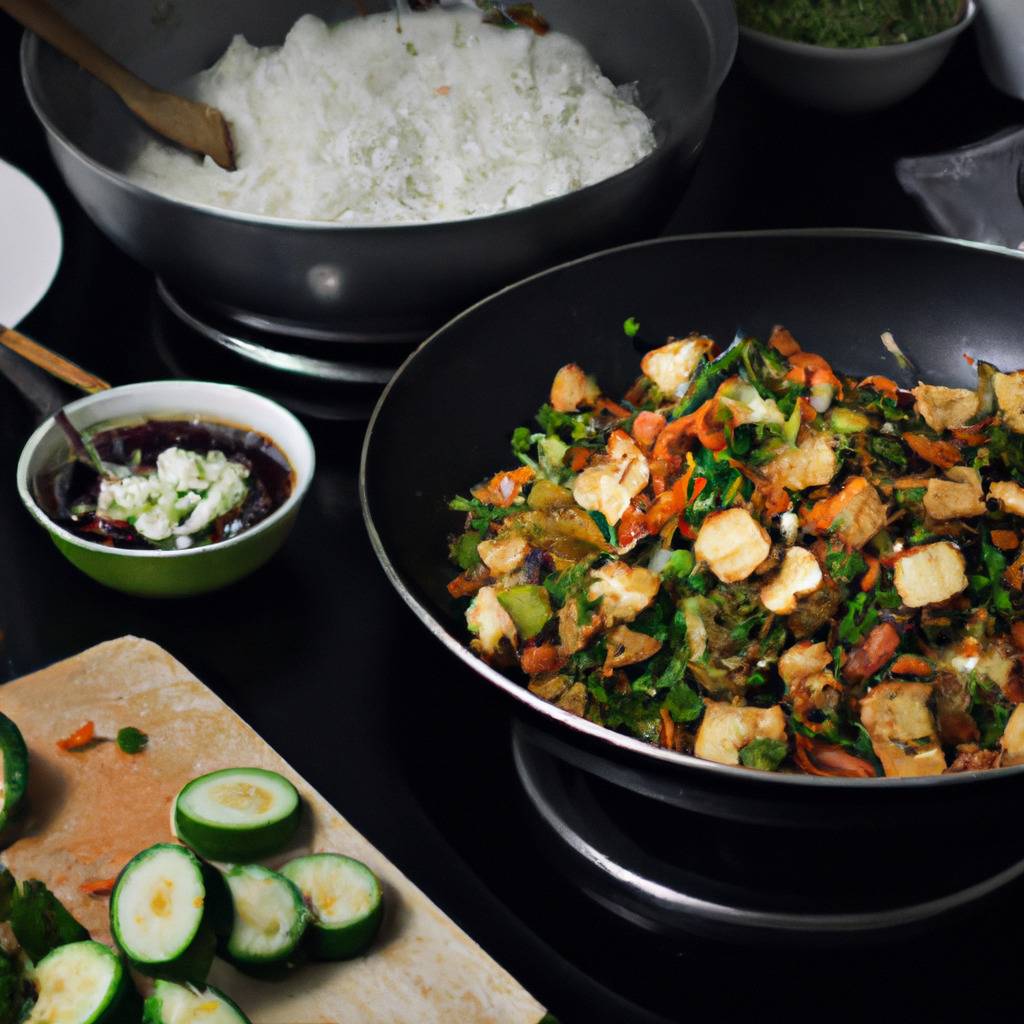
(90, 811)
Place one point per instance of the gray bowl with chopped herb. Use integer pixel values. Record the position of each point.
(167, 488)
(848, 56)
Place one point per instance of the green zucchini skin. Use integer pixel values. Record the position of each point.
(156, 1010)
(346, 939)
(192, 961)
(123, 1004)
(15, 761)
(236, 844)
(237, 947)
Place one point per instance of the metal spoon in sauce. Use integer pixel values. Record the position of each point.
(194, 125)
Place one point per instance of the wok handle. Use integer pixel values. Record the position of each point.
(47, 23)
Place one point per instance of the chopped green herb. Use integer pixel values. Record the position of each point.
(764, 754)
(631, 327)
(132, 740)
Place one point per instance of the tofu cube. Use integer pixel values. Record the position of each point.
(625, 591)
(726, 729)
(1009, 495)
(958, 497)
(672, 365)
(800, 574)
(902, 729)
(812, 463)
(732, 544)
(1009, 389)
(930, 574)
(942, 408)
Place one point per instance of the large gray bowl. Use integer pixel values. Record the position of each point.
(329, 281)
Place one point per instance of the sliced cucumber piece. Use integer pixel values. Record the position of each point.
(180, 1004)
(270, 915)
(237, 814)
(345, 899)
(15, 767)
(82, 983)
(158, 911)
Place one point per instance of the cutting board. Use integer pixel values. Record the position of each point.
(90, 811)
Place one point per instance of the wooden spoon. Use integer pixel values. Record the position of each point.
(193, 125)
(57, 366)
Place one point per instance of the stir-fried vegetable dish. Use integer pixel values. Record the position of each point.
(758, 560)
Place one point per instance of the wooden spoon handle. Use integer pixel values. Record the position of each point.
(59, 367)
(39, 17)
(195, 126)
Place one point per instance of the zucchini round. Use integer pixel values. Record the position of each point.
(158, 913)
(270, 915)
(237, 814)
(176, 1004)
(14, 755)
(82, 983)
(345, 899)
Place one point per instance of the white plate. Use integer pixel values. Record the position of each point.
(31, 244)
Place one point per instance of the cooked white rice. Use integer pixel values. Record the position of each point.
(363, 124)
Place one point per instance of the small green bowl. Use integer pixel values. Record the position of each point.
(154, 573)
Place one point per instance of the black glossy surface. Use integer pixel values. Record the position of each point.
(324, 660)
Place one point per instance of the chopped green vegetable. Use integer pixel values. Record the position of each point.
(528, 606)
(482, 515)
(132, 740)
(683, 703)
(40, 921)
(850, 23)
(631, 327)
(764, 754)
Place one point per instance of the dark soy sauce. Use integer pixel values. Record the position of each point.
(74, 484)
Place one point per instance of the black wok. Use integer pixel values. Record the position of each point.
(444, 423)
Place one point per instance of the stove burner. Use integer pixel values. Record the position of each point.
(679, 873)
(339, 356)
(182, 344)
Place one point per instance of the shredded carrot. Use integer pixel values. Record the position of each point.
(620, 412)
(881, 384)
(1017, 632)
(807, 411)
(827, 759)
(823, 514)
(938, 453)
(633, 525)
(810, 368)
(667, 736)
(670, 502)
(777, 502)
(972, 436)
(969, 359)
(541, 658)
(911, 665)
(503, 488)
(578, 458)
(1005, 540)
(646, 428)
(465, 586)
(783, 342)
(99, 886)
(81, 737)
(870, 578)
(675, 434)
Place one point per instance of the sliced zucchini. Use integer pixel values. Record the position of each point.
(158, 913)
(82, 983)
(237, 814)
(270, 915)
(180, 1004)
(345, 900)
(15, 768)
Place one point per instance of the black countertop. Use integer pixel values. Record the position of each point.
(322, 658)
